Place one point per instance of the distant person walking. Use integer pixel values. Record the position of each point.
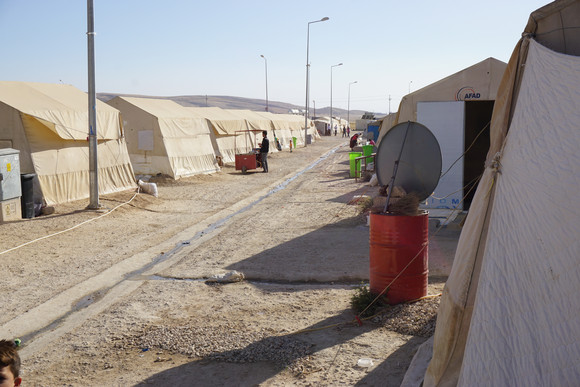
(348, 131)
(335, 129)
(264, 149)
(343, 131)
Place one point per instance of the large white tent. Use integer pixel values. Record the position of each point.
(457, 109)
(48, 124)
(257, 122)
(227, 131)
(165, 137)
(509, 315)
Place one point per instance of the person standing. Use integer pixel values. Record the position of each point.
(264, 149)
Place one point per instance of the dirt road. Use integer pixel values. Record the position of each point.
(122, 299)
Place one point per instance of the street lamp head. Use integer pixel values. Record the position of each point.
(324, 18)
(263, 56)
(340, 64)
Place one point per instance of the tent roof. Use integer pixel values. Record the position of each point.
(62, 108)
(255, 120)
(481, 79)
(174, 120)
(160, 108)
(223, 121)
(555, 26)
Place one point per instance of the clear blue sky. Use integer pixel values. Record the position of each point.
(213, 47)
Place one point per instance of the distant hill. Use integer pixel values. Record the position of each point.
(226, 102)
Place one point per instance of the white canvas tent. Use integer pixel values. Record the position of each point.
(457, 109)
(287, 126)
(257, 122)
(296, 123)
(282, 128)
(48, 123)
(387, 122)
(478, 82)
(226, 128)
(509, 315)
(165, 137)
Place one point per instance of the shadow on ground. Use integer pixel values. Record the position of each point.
(211, 373)
(338, 252)
(392, 370)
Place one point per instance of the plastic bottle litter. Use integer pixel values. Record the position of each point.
(365, 362)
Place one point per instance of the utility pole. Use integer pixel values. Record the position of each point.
(93, 159)
(389, 104)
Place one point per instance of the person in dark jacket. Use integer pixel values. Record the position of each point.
(264, 149)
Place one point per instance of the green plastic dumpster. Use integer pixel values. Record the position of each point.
(367, 151)
(353, 156)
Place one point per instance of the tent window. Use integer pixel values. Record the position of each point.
(145, 140)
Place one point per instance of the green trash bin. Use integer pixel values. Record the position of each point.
(294, 142)
(367, 151)
(353, 156)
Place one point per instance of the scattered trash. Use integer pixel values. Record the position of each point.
(365, 362)
(374, 180)
(356, 199)
(232, 276)
(148, 188)
(144, 349)
(161, 359)
(17, 342)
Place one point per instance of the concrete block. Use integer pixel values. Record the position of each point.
(10, 210)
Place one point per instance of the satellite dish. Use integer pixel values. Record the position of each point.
(419, 156)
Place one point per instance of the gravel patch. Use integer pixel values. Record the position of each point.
(416, 319)
(228, 343)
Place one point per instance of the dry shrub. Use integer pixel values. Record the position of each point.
(401, 202)
(407, 205)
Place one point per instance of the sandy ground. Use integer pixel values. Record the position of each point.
(122, 298)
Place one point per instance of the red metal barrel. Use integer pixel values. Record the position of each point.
(396, 240)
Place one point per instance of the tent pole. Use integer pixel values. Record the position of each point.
(93, 174)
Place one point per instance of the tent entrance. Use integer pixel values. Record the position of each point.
(456, 125)
(477, 119)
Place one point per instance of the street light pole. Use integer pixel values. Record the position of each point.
(308, 76)
(410, 86)
(348, 108)
(93, 164)
(266, 64)
(331, 67)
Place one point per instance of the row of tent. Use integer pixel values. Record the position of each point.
(48, 124)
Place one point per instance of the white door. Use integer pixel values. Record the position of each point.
(447, 122)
